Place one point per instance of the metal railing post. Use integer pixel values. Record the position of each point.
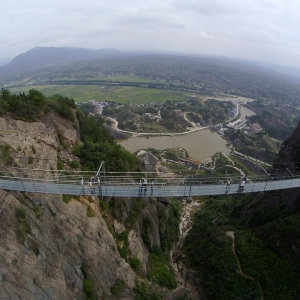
(21, 179)
(266, 184)
(290, 172)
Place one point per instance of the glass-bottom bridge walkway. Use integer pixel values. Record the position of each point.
(113, 184)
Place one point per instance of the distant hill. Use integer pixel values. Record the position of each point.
(291, 71)
(50, 56)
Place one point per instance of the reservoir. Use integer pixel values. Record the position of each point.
(200, 144)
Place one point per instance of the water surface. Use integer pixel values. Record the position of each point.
(200, 144)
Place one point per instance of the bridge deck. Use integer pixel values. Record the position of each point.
(132, 190)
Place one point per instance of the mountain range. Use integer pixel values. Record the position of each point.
(53, 56)
(50, 56)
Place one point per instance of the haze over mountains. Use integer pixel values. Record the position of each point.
(49, 56)
(52, 56)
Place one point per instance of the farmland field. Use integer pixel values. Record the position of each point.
(119, 94)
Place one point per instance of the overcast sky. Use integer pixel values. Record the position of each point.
(259, 30)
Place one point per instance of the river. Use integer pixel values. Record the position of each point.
(200, 144)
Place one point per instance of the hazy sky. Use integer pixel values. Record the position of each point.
(260, 30)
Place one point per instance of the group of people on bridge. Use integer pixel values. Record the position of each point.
(93, 181)
(241, 184)
(143, 186)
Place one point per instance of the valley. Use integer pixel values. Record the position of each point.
(92, 247)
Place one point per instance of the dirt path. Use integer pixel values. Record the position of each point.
(240, 271)
(115, 127)
(192, 123)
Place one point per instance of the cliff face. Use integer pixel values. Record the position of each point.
(274, 216)
(50, 249)
(287, 163)
(60, 244)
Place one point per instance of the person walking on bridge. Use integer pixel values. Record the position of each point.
(145, 185)
(152, 184)
(98, 183)
(140, 187)
(82, 184)
(242, 185)
(228, 185)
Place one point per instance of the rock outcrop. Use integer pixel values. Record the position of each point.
(61, 247)
(149, 160)
(50, 250)
(53, 247)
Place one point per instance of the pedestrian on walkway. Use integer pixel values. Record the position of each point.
(228, 185)
(91, 184)
(82, 184)
(152, 184)
(145, 185)
(98, 183)
(242, 185)
(140, 187)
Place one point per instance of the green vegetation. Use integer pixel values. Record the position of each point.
(122, 239)
(30, 160)
(123, 94)
(118, 287)
(63, 106)
(60, 165)
(169, 224)
(28, 107)
(135, 263)
(144, 292)
(22, 227)
(146, 230)
(87, 287)
(90, 212)
(134, 212)
(37, 211)
(74, 164)
(160, 271)
(168, 116)
(258, 146)
(6, 156)
(170, 78)
(66, 198)
(209, 248)
(102, 204)
(32, 106)
(87, 284)
(99, 146)
(277, 119)
(159, 268)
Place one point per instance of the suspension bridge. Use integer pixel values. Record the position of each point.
(128, 184)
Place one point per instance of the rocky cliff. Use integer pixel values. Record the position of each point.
(274, 216)
(57, 247)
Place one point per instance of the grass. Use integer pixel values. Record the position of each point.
(22, 227)
(90, 212)
(127, 79)
(123, 95)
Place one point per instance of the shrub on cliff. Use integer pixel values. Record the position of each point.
(99, 146)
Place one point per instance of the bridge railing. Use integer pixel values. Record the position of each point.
(130, 179)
